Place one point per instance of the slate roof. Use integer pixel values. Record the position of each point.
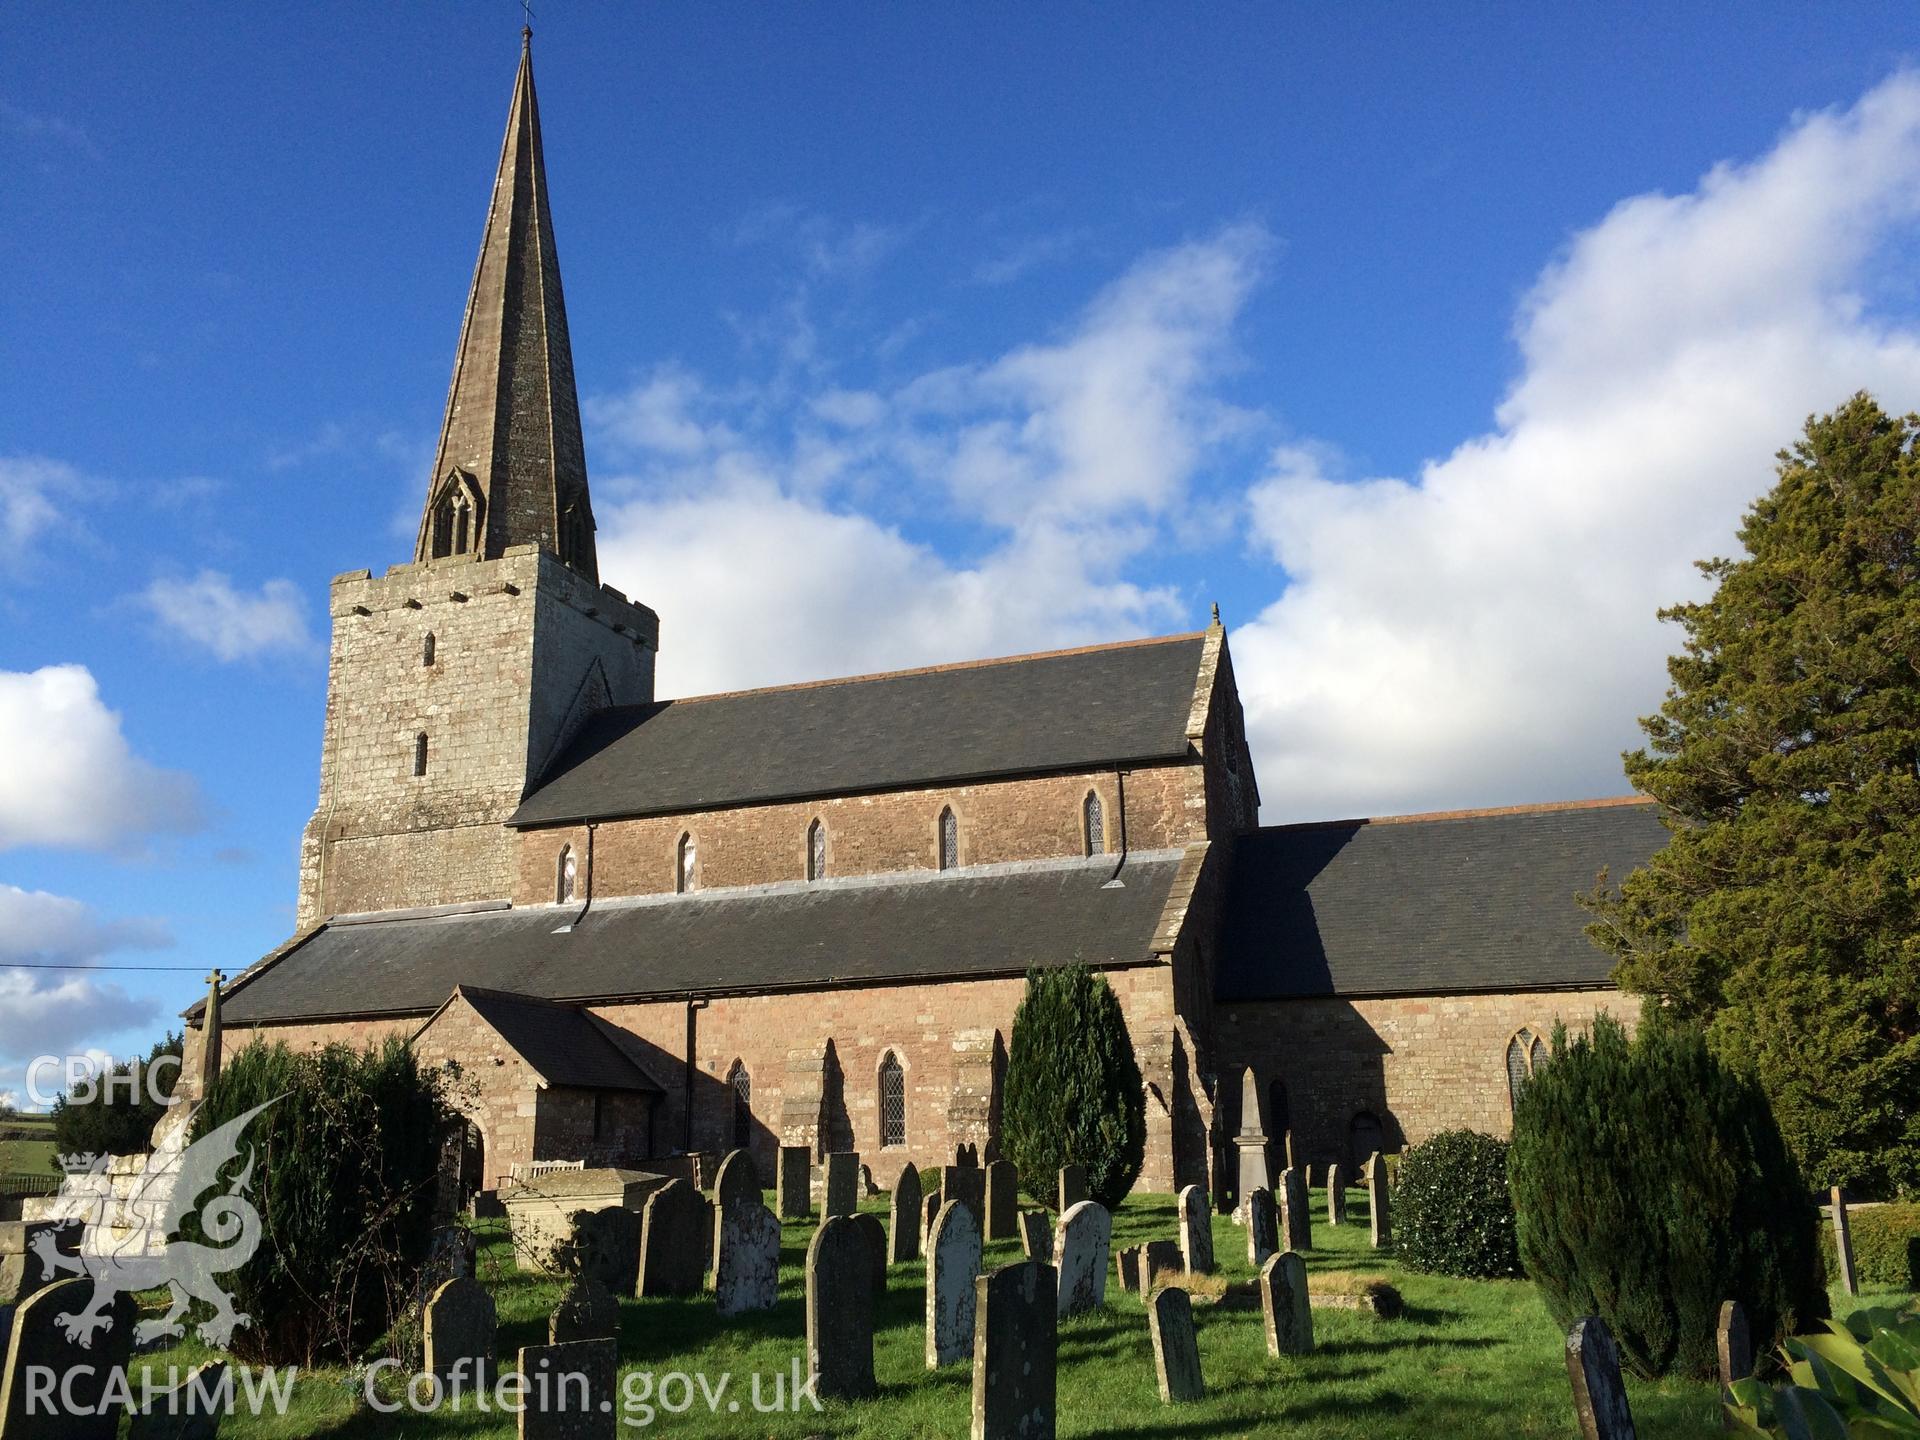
(1447, 905)
(991, 920)
(563, 1044)
(1110, 705)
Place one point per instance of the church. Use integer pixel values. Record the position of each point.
(643, 928)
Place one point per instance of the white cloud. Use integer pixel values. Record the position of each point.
(1485, 632)
(208, 612)
(32, 488)
(70, 778)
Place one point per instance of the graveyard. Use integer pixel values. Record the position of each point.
(1461, 1356)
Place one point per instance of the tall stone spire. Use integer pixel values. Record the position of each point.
(510, 468)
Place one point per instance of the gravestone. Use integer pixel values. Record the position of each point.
(968, 1185)
(1160, 1262)
(1263, 1227)
(1251, 1143)
(1073, 1187)
(1336, 1195)
(190, 1410)
(1296, 1219)
(874, 1235)
(929, 1211)
(607, 1242)
(587, 1311)
(953, 1265)
(839, 1311)
(571, 1390)
(791, 1182)
(737, 1181)
(1003, 1200)
(1379, 1221)
(458, 1331)
(1176, 1350)
(1734, 1343)
(675, 1231)
(1081, 1241)
(1843, 1243)
(1015, 1334)
(1599, 1398)
(843, 1183)
(1036, 1236)
(1126, 1268)
(1196, 1230)
(904, 1217)
(1285, 1305)
(746, 1273)
(40, 1340)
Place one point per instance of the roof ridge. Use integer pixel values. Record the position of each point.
(873, 675)
(1543, 807)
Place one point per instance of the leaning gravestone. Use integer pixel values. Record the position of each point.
(874, 1235)
(1734, 1342)
(1196, 1230)
(1003, 1200)
(1843, 1243)
(1015, 1334)
(1336, 1196)
(571, 1391)
(903, 1217)
(1379, 1221)
(843, 1183)
(675, 1231)
(791, 1183)
(39, 1343)
(1296, 1219)
(587, 1311)
(607, 1242)
(953, 1265)
(1176, 1351)
(1081, 1241)
(839, 1311)
(1073, 1187)
(929, 1212)
(190, 1410)
(967, 1184)
(458, 1332)
(1599, 1397)
(737, 1181)
(746, 1274)
(1263, 1227)
(1285, 1305)
(1036, 1236)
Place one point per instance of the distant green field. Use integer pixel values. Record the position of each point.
(26, 1145)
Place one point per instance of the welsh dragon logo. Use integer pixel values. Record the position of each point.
(134, 1259)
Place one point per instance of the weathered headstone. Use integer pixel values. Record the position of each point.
(1734, 1343)
(968, 1185)
(39, 1343)
(1036, 1236)
(1126, 1268)
(791, 1182)
(675, 1231)
(458, 1331)
(587, 1311)
(1073, 1187)
(1176, 1350)
(1196, 1230)
(1251, 1143)
(607, 1242)
(1003, 1200)
(929, 1211)
(904, 1217)
(1015, 1334)
(874, 1235)
(1379, 1220)
(737, 1181)
(1296, 1219)
(746, 1274)
(1263, 1227)
(1336, 1196)
(572, 1391)
(953, 1265)
(843, 1183)
(839, 1311)
(1599, 1397)
(1161, 1262)
(1080, 1242)
(1843, 1243)
(190, 1410)
(1285, 1306)
(1286, 1150)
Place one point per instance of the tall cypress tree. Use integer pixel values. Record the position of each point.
(1785, 911)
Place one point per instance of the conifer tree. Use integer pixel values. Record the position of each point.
(1784, 913)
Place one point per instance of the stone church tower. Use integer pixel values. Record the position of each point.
(456, 679)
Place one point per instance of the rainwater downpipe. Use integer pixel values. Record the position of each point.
(567, 929)
(1114, 882)
(694, 1007)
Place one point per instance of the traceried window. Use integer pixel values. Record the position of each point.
(893, 1101)
(949, 839)
(420, 753)
(566, 870)
(740, 1087)
(454, 531)
(426, 649)
(1526, 1054)
(817, 850)
(684, 866)
(1096, 824)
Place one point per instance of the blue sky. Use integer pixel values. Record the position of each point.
(1434, 345)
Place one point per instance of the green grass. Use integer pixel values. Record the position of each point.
(1470, 1357)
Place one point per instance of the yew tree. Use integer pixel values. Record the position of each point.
(1784, 912)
